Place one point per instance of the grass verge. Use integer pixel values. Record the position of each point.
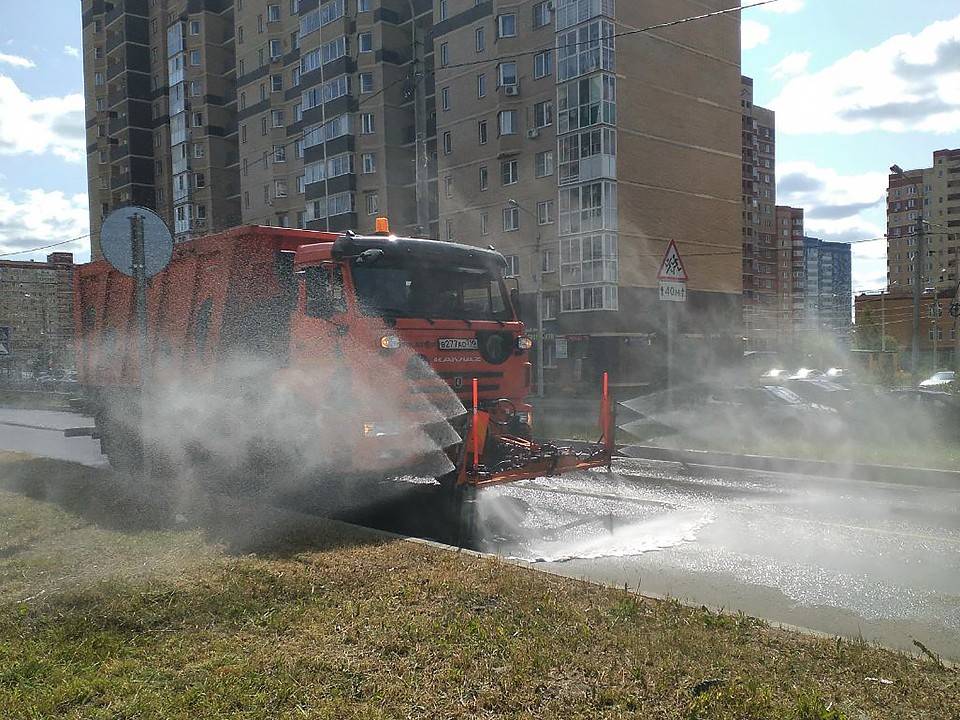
(107, 611)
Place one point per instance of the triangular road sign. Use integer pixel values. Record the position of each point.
(672, 266)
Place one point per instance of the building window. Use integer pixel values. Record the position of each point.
(480, 41)
(373, 204)
(276, 49)
(484, 223)
(545, 214)
(507, 74)
(365, 42)
(445, 98)
(366, 82)
(482, 131)
(196, 88)
(443, 9)
(481, 85)
(444, 54)
(368, 163)
(449, 230)
(507, 25)
(280, 188)
(276, 83)
(363, 5)
(484, 177)
(509, 172)
(279, 153)
(513, 265)
(543, 114)
(273, 13)
(507, 122)
(276, 118)
(511, 219)
(542, 64)
(367, 124)
(541, 14)
(447, 143)
(194, 27)
(199, 180)
(198, 119)
(198, 150)
(448, 186)
(543, 163)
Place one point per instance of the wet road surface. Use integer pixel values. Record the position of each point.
(879, 561)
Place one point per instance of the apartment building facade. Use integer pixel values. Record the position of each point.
(581, 145)
(931, 194)
(827, 289)
(923, 244)
(766, 298)
(297, 113)
(36, 315)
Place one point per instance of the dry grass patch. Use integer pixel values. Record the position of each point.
(270, 614)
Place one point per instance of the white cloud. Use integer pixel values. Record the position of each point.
(34, 218)
(841, 208)
(908, 83)
(37, 126)
(791, 65)
(16, 61)
(71, 51)
(753, 34)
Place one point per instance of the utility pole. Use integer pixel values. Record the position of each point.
(917, 292)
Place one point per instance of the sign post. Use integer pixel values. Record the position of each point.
(673, 288)
(138, 243)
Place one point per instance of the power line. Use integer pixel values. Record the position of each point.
(45, 247)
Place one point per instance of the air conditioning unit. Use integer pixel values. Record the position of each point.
(511, 90)
(533, 133)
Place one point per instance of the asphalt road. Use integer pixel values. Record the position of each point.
(860, 559)
(873, 560)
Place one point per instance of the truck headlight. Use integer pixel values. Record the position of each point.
(390, 342)
(524, 342)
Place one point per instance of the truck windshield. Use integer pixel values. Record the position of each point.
(390, 289)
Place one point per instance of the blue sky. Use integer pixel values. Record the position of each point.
(857, 85)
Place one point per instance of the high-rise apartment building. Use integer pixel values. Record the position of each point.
(294, 113)
(580, 145)
(766, 297)
(579, 137)
(933, 195)
(827, 289)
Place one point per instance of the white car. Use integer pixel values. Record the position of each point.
(938, 379)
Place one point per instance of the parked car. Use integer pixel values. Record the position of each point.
(940, 380)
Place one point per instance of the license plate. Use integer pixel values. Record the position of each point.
(458, 344)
